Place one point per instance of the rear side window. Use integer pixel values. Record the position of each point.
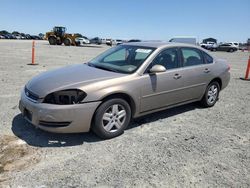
(191, 57)
(208, 59)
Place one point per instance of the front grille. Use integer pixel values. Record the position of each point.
(54, 124)
(31, 95)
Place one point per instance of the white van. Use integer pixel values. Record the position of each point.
(184, 39)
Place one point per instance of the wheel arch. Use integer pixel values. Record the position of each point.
(120, 95)
(51, 36)
(123, 96)
(217, 79)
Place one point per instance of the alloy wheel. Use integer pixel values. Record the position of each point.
(212, 94)
(114, 118)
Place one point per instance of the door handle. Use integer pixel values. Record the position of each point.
(206, 70)
(177, 76)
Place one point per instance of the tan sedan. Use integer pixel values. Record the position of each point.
(124, 82)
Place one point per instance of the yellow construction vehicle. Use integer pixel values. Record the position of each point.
(59, 36)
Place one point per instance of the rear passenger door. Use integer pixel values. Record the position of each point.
(196, 72)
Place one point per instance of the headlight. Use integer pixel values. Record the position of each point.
(64, 97)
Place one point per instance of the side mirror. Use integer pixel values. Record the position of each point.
(156, 69)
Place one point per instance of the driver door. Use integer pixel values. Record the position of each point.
(162, 89)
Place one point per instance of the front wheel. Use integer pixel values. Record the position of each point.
(111, 118)
(211, 95)
(67, 42)
(52, 40)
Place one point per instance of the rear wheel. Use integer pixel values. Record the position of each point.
(211, 95)
(67, 42)
(231, 50)
(111, 118)
(52, 40)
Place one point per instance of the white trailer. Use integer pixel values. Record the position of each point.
(184, 39)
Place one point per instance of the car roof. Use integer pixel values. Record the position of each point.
(160, 44)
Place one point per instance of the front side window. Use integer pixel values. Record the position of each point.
(167, 58)
(122, 59)
(191, 57)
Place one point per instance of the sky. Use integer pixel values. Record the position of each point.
(225, 20)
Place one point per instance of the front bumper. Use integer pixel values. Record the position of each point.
(77, 116)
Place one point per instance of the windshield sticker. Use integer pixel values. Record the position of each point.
(146, 51)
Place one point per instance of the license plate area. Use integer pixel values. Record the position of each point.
(27, 114)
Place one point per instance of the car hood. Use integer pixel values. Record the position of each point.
(69, 77)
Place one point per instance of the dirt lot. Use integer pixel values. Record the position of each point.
(186, 146)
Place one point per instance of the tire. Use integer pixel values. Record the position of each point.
(67, 42)
(52, 40)
(107, 123)
(231, 50)
(211, 95)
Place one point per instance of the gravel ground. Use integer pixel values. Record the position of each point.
(186, 146)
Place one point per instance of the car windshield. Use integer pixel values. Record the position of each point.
(123, 59)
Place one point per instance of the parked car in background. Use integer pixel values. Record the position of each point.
(6, 36)
(125, 82)
(134, 40)
(2, 37)
(35, 37)
(82, 40)
(96, 40)
(184, 39)
(224, 47)
(110, 42)
(18, 36)
(41, 35)
(118, 41)
(207, 45)
(22, 37)
(27, 36)
(9, 36)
